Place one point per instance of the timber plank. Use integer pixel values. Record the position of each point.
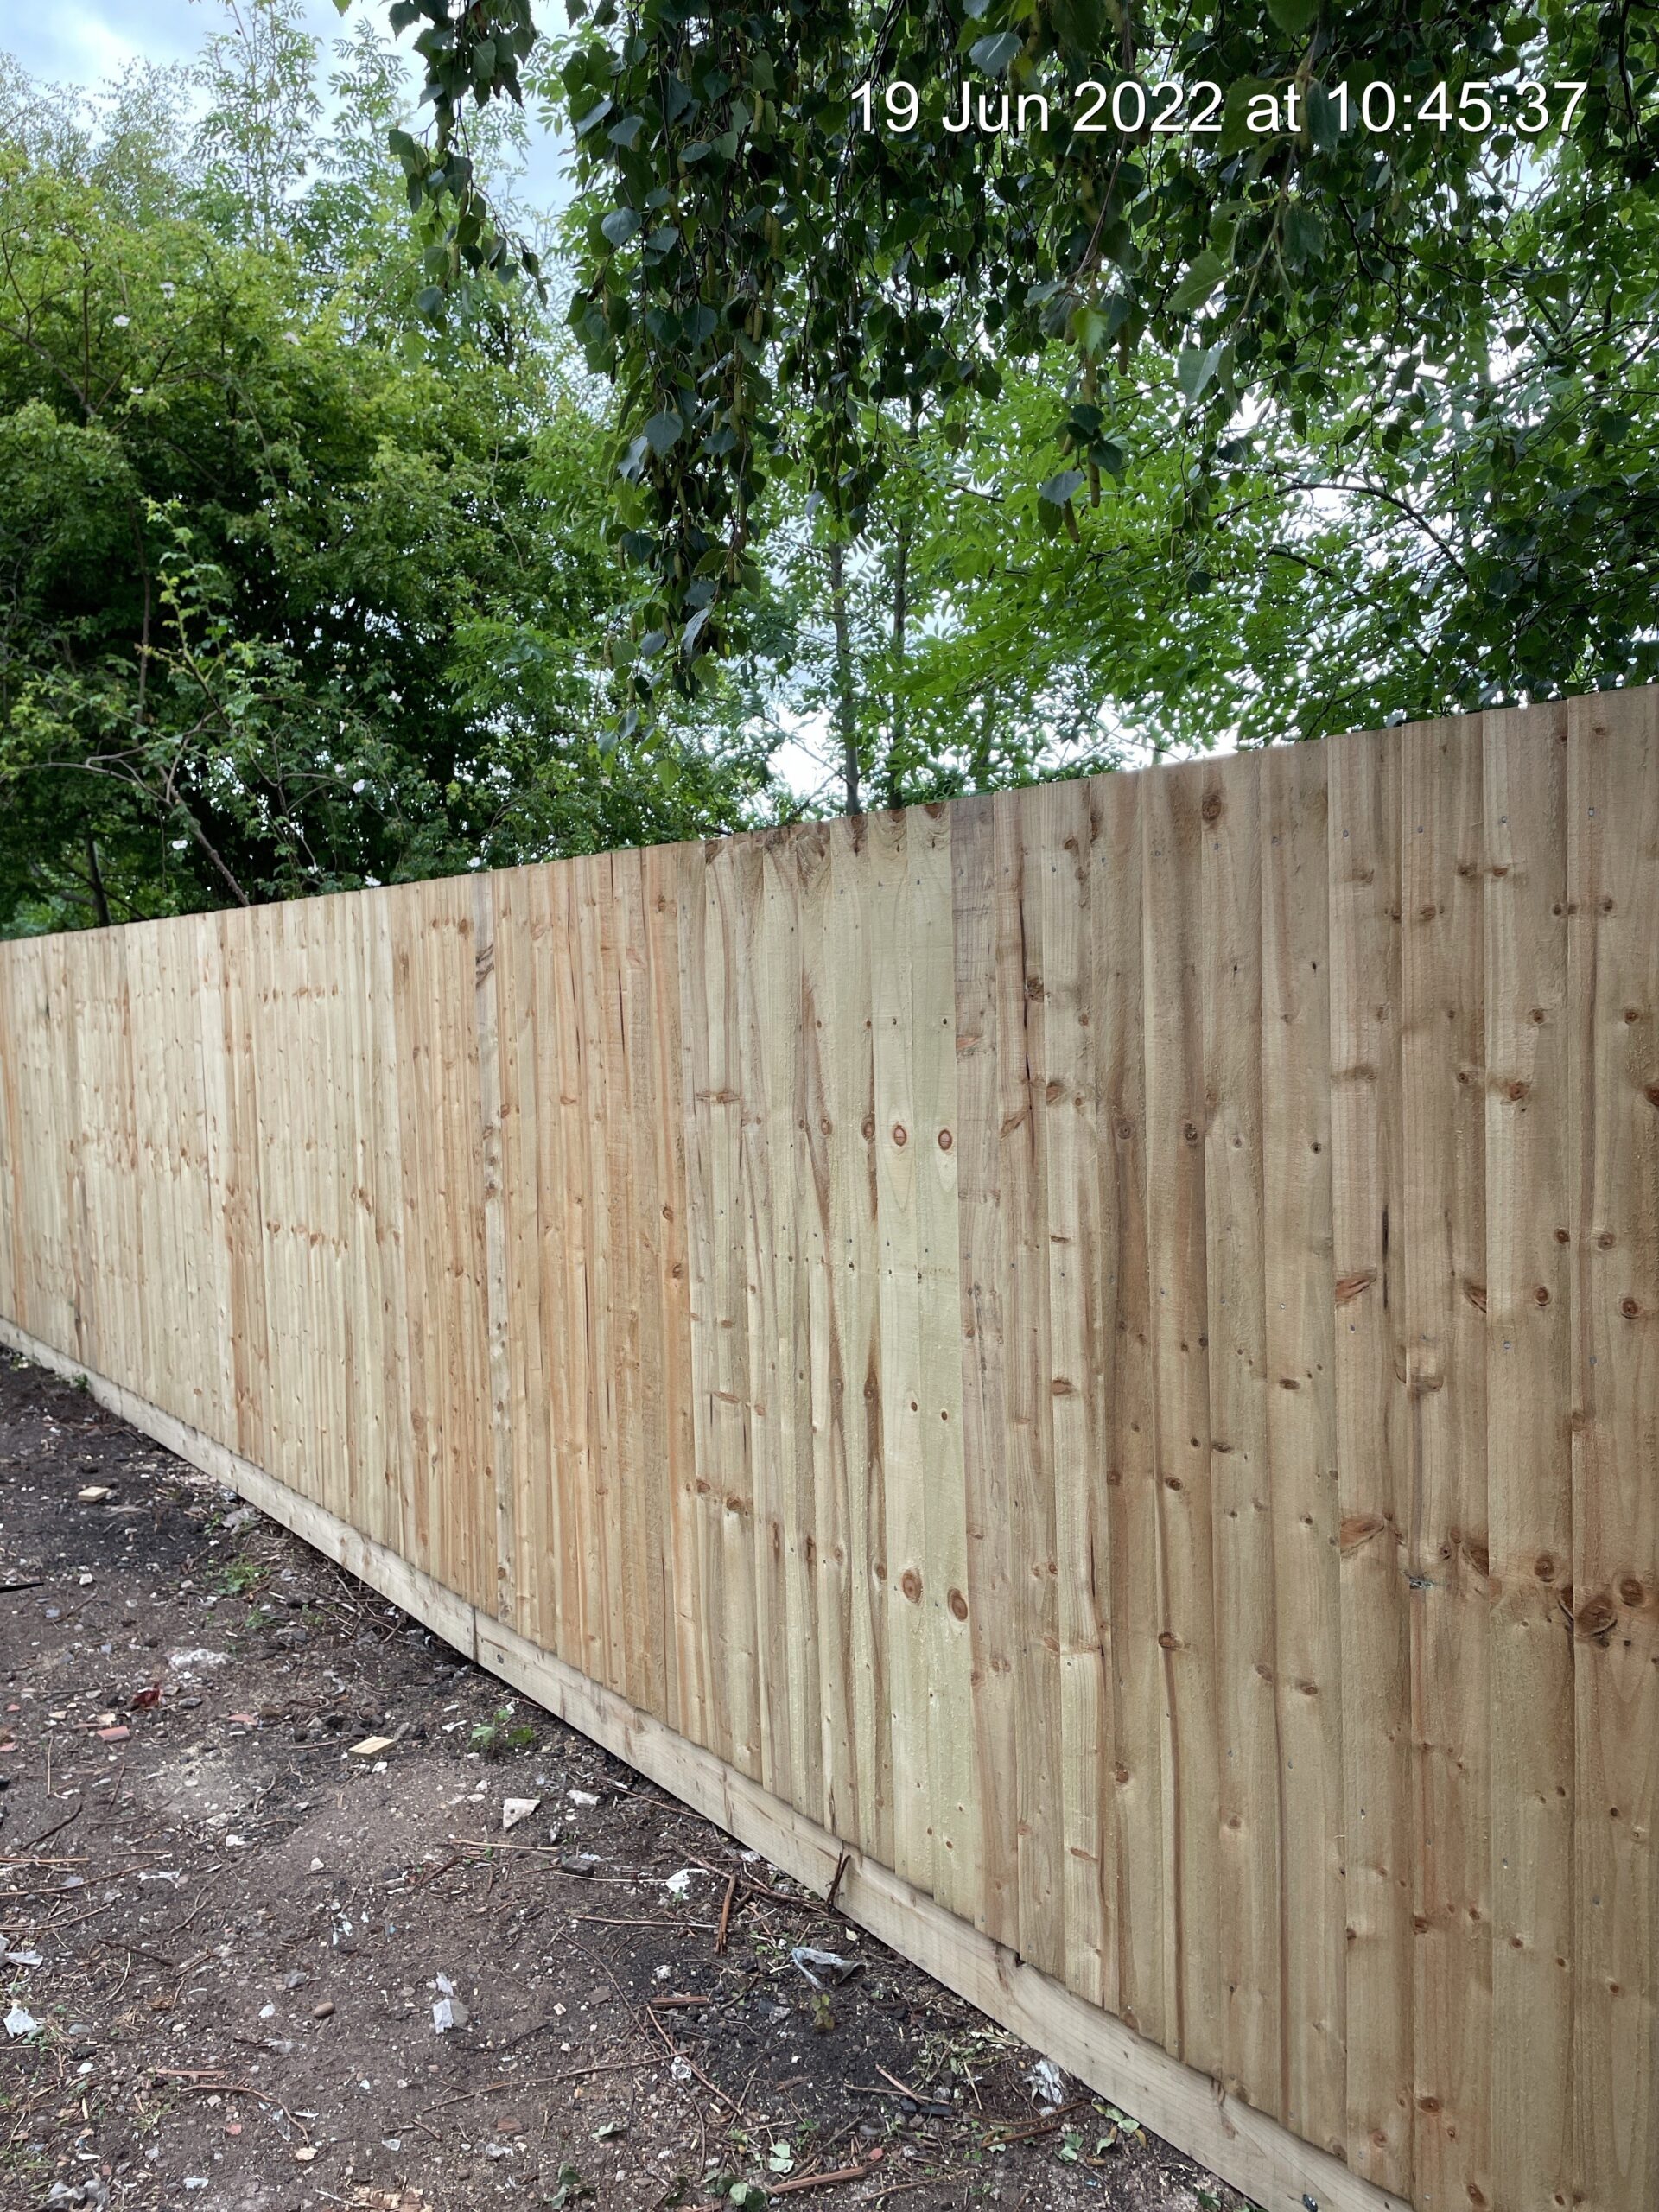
(1300, 1315)
(1529, 1447)
(1444, 1236)
(1066, 1100)
(1367, 1169)
(1251, 1874)
(980, 1235)
(1118, 994)
(1172, 828)
(1613, 903)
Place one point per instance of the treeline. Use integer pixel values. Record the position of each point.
(303, 588)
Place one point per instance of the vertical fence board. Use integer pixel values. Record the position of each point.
(1176, 1115)
(929, 928)
(1067, 1100)
(1367, 1173)
(1613, 901)
(1442, 1044)
(1251, 1898)
(1301, 1316)
(981, 1236)
(1141, 1906)
(1528, 1401)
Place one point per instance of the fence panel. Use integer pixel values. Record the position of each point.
(1094, 1350)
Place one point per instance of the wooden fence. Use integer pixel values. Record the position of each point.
(1096, 1348)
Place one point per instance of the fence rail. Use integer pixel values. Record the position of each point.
(1096, 1348)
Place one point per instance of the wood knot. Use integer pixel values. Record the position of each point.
(1211, 808)
(958, 1604)
(1595, 1618)
(946, 1139)
(900, 1134)
(1358, 1529)
(911, 1583)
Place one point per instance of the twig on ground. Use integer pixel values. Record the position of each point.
(726, 1917)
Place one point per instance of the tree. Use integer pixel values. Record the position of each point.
(296, 593)
(770, 258)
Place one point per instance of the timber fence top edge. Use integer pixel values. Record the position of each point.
(769, 836)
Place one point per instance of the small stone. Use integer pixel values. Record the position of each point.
(325, 2011)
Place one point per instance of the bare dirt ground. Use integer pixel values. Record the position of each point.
(227, 1938)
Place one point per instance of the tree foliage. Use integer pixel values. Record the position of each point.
(295, 594)
(1443, 319)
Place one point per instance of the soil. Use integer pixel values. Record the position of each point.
(228, 1931)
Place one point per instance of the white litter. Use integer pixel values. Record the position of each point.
(185, 1660)
(515, 1809)
(583, 1797)
(20, 2023)
(824, 1969)
(1047, 2083)
(447, 2012)
(21, 1958)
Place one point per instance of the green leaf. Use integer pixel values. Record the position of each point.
(663, 432)
(994, 55)
(1293, 17)
(1304, 235)
(1059, 489)
(1324, 119)
(619, 225)
(1195, 370)
(1201, 279)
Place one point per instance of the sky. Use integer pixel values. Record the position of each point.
(86, 41)
(83, 41)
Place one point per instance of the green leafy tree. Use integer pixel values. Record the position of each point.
(295, 593)
(770, 262)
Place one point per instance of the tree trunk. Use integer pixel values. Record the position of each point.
(845, 716)
(94, 874)
(897, 760)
